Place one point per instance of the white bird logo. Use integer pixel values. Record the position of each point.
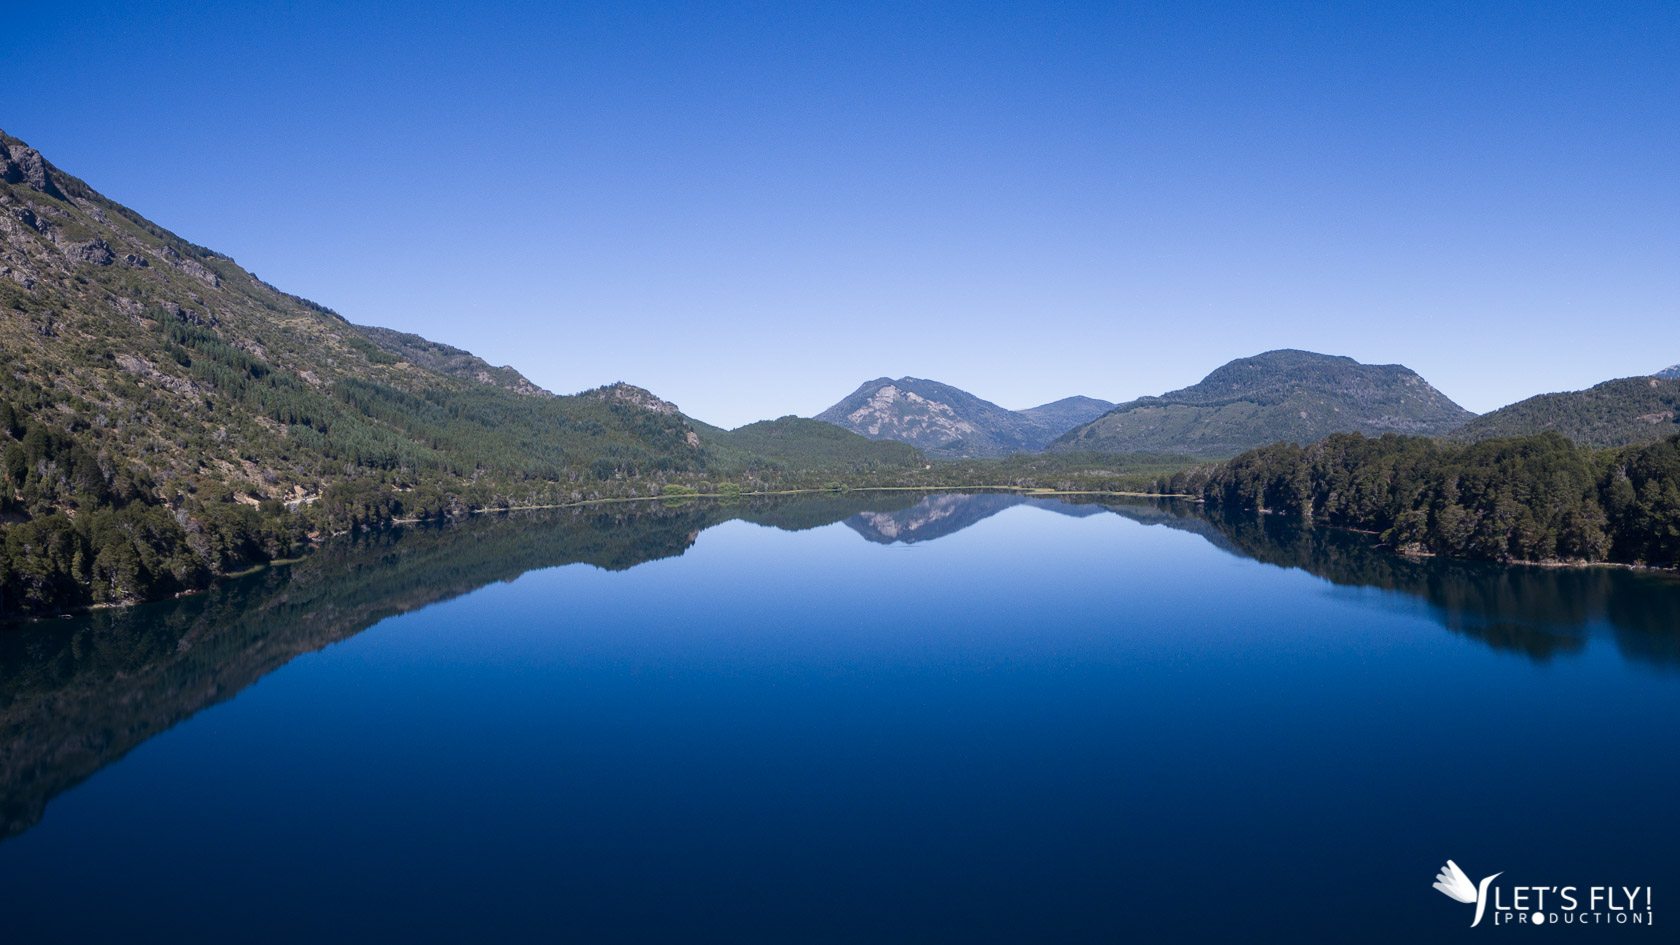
(1454, 883)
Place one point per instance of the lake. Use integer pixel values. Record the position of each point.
(852, 717)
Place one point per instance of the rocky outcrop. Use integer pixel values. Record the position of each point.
(202, 273)
(142, 368)
(188, 316)
(21, 164)
(94, 251)
(632, 396)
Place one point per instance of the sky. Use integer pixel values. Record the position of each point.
(751, 209)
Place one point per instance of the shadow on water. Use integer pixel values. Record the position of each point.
(78, 694)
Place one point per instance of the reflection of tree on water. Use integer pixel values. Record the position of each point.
(1537, 611)
(77, 694)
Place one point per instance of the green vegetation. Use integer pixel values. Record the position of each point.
(1061, 472)
(1615, 413)
(167, 418)
(1539, 498)
(792, 445)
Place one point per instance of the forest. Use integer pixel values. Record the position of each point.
(1536, 498)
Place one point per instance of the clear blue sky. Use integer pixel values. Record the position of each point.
(752, 208)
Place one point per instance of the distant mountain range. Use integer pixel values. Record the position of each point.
(1278, 396)
(1291, 395)
(944, 421)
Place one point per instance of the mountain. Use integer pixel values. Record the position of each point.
(1614, 413)
(1284, 395)
(167, 417)
(947, 422)
(1672, 370)
(1067, 413)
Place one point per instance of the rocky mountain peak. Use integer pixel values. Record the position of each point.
(946, 421)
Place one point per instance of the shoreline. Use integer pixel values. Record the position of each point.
(7, 623)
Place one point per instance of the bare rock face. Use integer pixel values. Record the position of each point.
(95, 251)
(190, 317)
(632, 396)
(142, 368)
(20, 164)
(202, 273)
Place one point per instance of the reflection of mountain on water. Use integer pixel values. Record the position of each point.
(1537, 611)
(939, 515)
(76, 695)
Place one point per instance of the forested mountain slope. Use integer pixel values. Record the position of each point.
(166, 416)
(1278, 396)
(797, 443)
(1614, 413)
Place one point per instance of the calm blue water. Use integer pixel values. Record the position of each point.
(989, 722)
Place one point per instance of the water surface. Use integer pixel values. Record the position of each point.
(878, 717)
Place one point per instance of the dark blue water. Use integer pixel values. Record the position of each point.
(990, 722)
